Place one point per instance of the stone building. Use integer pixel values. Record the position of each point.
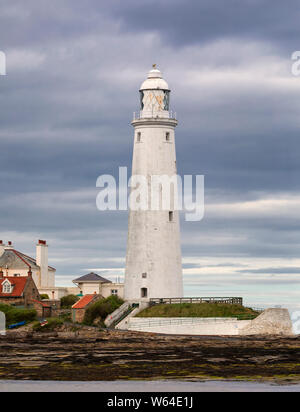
(18, 290)
(46, 308)
(80, 307)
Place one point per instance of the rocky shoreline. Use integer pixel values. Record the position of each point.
(93, 355)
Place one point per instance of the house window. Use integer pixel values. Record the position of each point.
(114, 291)
(144, 275)
(139, 135)
(171, 216)
(6, 287)
(168, 136)
(144, 292)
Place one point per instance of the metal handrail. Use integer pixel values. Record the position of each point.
(228, 300)
(178, 321)
(166, 115)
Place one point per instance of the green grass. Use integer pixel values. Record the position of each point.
(201, 310)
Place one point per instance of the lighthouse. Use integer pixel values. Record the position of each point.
(153, 259)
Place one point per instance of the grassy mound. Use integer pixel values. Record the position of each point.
(201, 310)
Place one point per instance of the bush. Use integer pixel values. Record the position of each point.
(66, 317)
(68, 301)
(44, 296)
(52, 324)
(102, 309)
(14, 315)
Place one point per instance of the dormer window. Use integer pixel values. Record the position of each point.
(6, 287)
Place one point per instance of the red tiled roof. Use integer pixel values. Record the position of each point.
(18, 283)
(85, 300)
(41, 303)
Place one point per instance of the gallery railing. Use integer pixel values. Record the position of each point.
(226, 300)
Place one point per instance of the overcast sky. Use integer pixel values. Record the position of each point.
(73, 73)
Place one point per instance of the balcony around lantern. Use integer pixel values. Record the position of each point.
(164, 114)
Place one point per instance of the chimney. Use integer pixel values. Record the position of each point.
(42, 262)
(1, 274)
(9, 245)
(2, 246)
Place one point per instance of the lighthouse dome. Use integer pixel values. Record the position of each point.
(154, 81)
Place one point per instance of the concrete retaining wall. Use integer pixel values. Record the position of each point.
(188, 326)
(271, 321)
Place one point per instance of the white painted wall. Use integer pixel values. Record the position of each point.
(103, 289)
(58, 292)
(89, 288)
(106, 289)
(188, 326)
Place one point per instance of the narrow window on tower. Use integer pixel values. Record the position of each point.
(139, 135)
(144, 292)
(168, 136)
(144, 275)
(171, 216)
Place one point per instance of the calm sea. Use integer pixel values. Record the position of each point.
(144, 386)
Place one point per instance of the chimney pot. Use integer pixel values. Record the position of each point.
(42, 242)
(9, 243)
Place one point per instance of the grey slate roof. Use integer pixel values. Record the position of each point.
(13, 259)
(92, 277)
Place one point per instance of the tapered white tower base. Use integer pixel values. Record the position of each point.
(153, 261)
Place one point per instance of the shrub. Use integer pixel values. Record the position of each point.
(68, 301)
(102, 309)
(20, 315)
(66, 317)
(52, 324)
(44, 296)
(14, 315)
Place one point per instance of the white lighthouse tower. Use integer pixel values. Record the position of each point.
(153, 260)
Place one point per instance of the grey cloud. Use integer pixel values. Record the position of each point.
(274, 270)
(66, 119)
